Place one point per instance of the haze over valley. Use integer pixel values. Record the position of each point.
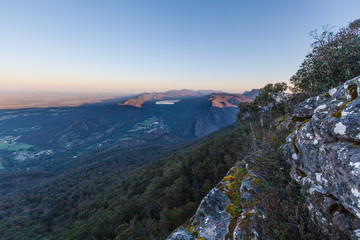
(36, 99)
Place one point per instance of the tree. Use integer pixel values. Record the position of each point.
(271, 96)
(335, 58)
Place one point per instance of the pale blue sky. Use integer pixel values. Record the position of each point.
(135, 46)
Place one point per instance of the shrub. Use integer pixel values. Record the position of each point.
(335, 58)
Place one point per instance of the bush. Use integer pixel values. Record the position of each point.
(334, 59)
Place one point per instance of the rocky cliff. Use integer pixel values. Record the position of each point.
(228, 210)
(218, 105)
(324, 154)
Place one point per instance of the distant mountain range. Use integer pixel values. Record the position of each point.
(204, 112)
(139, 100)
(95, 146)
(159, 118)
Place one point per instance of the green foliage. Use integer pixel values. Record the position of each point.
(287, 216)
(282, 207)
(283, 212)
(14, 146)
(271, 96)
(105, 201)
(335, 58)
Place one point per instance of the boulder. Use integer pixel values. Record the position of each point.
(181, 234)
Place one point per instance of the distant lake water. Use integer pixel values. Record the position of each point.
(167, 102)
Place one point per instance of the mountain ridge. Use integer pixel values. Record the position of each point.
(77, 130)
(252, 93)
(142, 98)
(222, 100)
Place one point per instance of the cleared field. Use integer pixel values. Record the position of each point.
(14, 146)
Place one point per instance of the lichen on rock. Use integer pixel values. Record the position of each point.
(227, 211)
(328, 156)
(324, 154)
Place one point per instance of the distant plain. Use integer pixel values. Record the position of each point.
(18, 100)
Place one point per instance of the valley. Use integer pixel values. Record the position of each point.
(51, 155)
(48, 139)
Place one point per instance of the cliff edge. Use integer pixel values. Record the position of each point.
(324, 153)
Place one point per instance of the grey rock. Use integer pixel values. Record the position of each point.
(247, 190)
(306, 108)
(181, 234)
(211, 219)
(240, 234)
(326, 157)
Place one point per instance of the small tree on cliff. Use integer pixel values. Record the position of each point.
(271, 96)
(335, 58)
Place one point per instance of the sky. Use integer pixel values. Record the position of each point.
(156, 45)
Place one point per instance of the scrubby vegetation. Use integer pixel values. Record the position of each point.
(287, 216)
(282, 209)
(335, 58)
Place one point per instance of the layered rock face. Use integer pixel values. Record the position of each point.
(324, 153)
